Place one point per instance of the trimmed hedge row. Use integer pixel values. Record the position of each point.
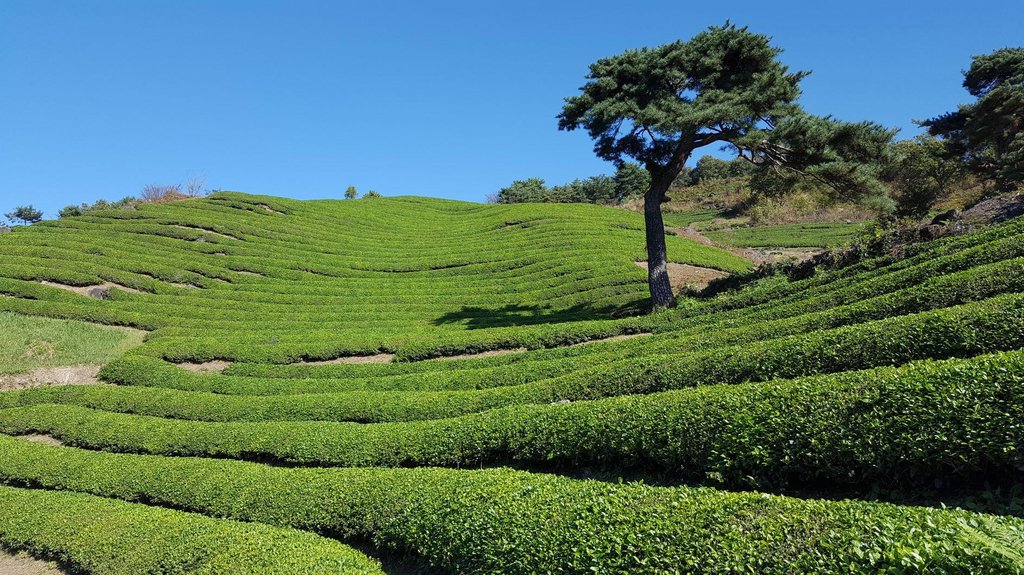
(110, 537)
(579, 260)
(855, 288)
(923, 422)
(986, 274)
(774, 288)
(996, 324)
(507, 522)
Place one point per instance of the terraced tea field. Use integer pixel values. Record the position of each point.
(408, 385)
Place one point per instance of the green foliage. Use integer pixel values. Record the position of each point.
(631, 181)
(523, 191)
(919, 174)
(820, 235)
(98, 535)
(274, 267)
(844, 157)
(853, 380)
(351, 193)
(725, 86)
(943, 421)
(27, 343)
(710, 168)
(24, 214)
(372, 194)
(503, 521)
(70, 211)
(988, 134)
(658, 105)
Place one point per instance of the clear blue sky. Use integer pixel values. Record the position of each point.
(456, 100)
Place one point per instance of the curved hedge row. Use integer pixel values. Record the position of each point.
(995, 324)
(776, 287)
(110, 537)
(956, 288)
(923, 422)
(507, 522)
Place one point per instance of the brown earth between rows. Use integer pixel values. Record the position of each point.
(40, 438)
(215, 366)
(43, 376)
(353, 359)
(495, 352)
(24, 564)
(684, 275)
(98, 291)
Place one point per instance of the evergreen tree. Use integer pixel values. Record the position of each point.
(724, 86)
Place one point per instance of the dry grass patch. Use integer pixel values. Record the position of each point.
(98, 291)
(49, 376)
(687, 276)
(215, 366)
(353, 359)
(22, 563)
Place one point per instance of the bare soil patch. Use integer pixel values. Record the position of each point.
(24, 564)
(270, 209)
(41, 438)
(183, 286)
(490, 353)
(353, 359)
(620, 337)
(495, 352)
(215, 366)
(783, 255)
(685, 275)
(99, 291)
(44, 376)
(692, 234)
(207, 231)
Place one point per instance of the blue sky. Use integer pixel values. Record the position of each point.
(448, 99)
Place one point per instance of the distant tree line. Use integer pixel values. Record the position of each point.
(351, 193)
(151, 194)
(980, 143)
(630, 181)
(24, 215)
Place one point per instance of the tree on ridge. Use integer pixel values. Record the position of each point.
(724, 86)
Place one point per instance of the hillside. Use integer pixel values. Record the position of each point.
(412, 385)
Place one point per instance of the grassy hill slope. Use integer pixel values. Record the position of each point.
(789, 427)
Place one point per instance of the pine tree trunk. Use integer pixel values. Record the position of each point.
(657, 258)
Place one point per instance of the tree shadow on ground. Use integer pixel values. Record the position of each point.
(476, 317)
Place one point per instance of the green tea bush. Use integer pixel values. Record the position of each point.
(924, 422)
(98, 535)
(502, 521)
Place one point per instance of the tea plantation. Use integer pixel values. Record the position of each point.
(412, 385)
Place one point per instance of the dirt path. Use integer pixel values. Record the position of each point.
(215, 366)
(352, 359)
(756, 255)
(684, 275)
(495, 352)
(71, 375)
(490, 353)
(40, 438)
(693, 234)
(98, 291)
(24, 564)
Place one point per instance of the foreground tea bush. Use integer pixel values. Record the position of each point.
(110, 537)
(928, 422)
(501, 521)
(756, 388)
(975, 328)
